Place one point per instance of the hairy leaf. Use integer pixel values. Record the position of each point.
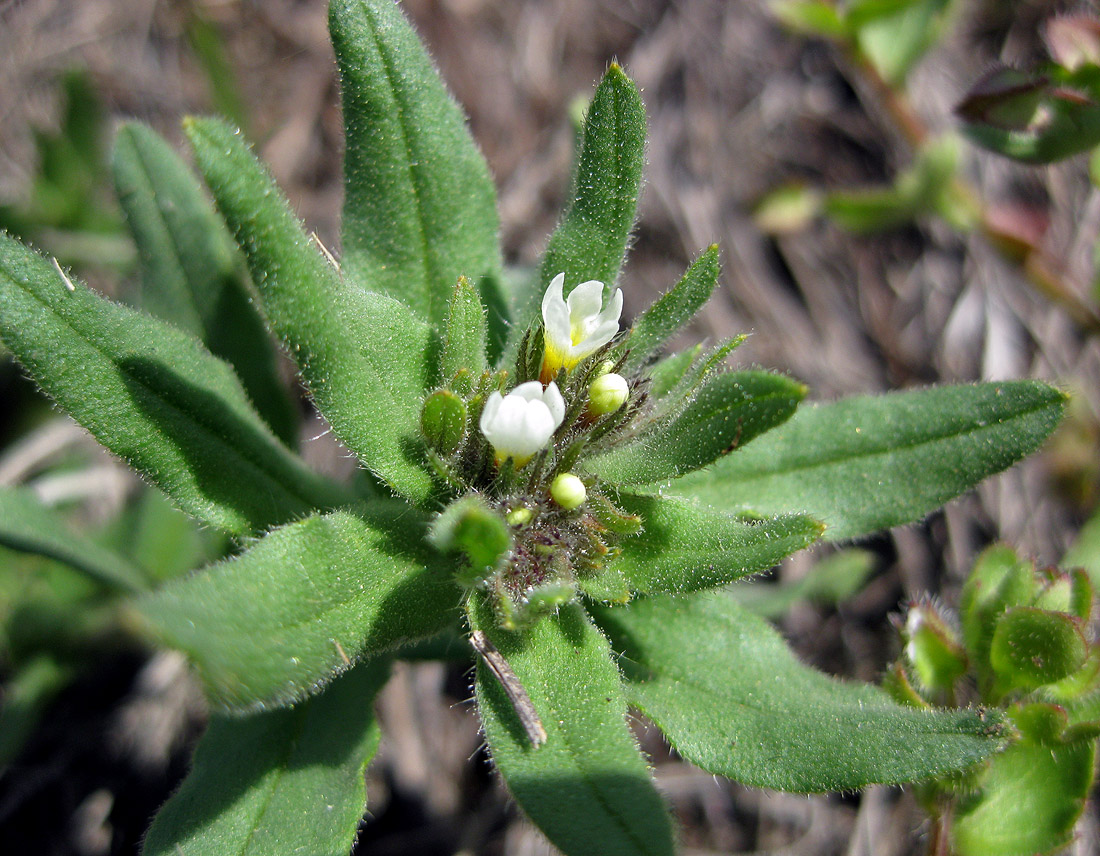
(420, 208)
(587, 786)
(731, 697)
(729, 411)
(365, 356)
(654, 327)
(686, 547)
(271, 625)
(464, 333)
(279, 782)
(191, 272)
(155, 397)
(864, 464)
(590, 242)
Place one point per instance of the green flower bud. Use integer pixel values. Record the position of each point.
(443, 421)
(607, 394)
(568, 491)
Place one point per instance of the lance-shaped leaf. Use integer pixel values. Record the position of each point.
(29, 526)
(730, 410)
(864, 464)
(155, 397)
(586, 786)
(591, 239)
(420, 208)
(685, 547)
(191, 271)
(365, 356)
(273, 624)
(279, 782)
(464, 333)
(654, 327)
(732, 698)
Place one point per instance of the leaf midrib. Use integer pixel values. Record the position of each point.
(582, 772)
(388, 69)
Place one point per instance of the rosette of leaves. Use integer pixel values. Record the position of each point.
(1019, 647)
(702, 477)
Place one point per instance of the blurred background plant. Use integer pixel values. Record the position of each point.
(985, 271)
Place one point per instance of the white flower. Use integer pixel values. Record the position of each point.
(522, 422)
(577, 327)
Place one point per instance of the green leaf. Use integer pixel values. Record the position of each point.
(686, 547)
(1027, 800)
(731, 698)
(729, 411)
(868, 463)
(587, 786)
(893, 42)
(29, 526)
(1085, 551)
(274, 623)
(464, 333)
(590, 242)
(811, 17)
(279, 782)
(365, 356)
(831, 580)
(153, 396)
(420, 208)
(998, 581)
(191, 269)
(654, 327)
(1032, 647)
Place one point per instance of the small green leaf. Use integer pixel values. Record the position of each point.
(672, 310)
(155, 397)
(665, 374)
(279, 782)
(895, 35)
(29, 688)
(365, 356)
(731, 698)
(729, 411)
(587, 786)
(464, 333)
(29, 526)
(590, 242)
(1032, 647)
(420, 207)
(932, 648)
(191, 269)
(811, 17)
(273, 624)
(998, 581)
(685, 547)
(1029, 117)
(1085, 551)
(865, 464)
(1026, 801)
(471, 527)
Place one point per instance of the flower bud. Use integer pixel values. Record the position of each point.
(607, 394)
(443, 421)
(568, 491)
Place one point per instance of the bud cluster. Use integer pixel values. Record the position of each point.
(513, 443)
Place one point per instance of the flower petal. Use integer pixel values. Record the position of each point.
(555, 314)
(555, 404)
(585, 301)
